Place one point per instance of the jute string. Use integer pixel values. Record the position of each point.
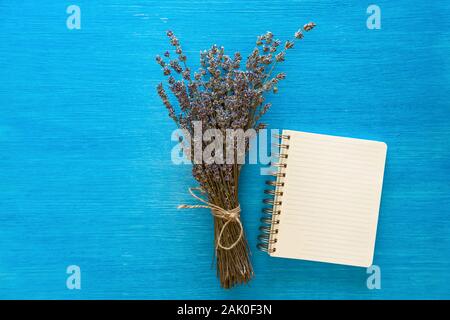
(232, 215)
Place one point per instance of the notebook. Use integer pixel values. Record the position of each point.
(325, 199)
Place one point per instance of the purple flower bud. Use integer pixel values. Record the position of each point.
(289, 45)
(298, 35)
(309, 26)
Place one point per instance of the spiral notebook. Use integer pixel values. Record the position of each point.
(324, 203)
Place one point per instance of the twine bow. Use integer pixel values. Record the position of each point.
(232, 215)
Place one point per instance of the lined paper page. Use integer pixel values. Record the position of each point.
(331, 199)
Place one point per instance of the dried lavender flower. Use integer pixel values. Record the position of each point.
(281, 76)
(187, 74)
(266, 59)
(176, 66)
(280, 57)
(298, 35)
(309, 26)
(160, 61)
(165, 99)
(223, 95)
(174, 41)
(289, 44)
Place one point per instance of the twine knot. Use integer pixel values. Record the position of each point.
(232, 215)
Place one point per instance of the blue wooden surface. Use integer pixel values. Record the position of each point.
(85, 170)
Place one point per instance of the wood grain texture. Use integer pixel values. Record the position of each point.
(85, 145)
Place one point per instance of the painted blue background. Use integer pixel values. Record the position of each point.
(85, 170)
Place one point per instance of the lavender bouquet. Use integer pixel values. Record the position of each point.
(224, 96)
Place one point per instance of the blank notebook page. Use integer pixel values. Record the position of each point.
(331, 198)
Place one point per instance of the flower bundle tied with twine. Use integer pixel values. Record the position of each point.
(221, 95)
